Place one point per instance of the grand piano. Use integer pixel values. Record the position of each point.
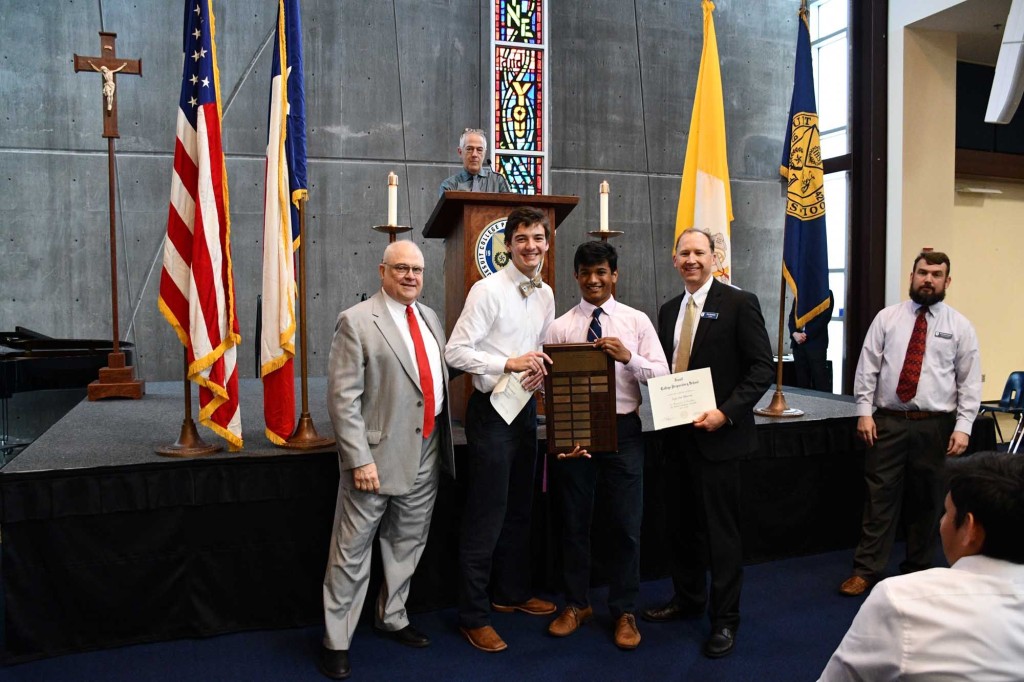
(30, 361)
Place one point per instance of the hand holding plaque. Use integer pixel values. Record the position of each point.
(579, 392)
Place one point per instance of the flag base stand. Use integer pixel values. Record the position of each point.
(778, 408)
(116, 381)
(305, 436)
(189, 443)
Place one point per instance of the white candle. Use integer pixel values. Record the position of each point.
(604, 206)
(392, 199)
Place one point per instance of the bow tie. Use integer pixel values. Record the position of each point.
(527, 287)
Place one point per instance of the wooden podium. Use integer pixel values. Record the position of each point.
(461, 218)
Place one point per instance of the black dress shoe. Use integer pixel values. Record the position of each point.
(408, 636)
(334, 664)
(671, 611)
(720, 643)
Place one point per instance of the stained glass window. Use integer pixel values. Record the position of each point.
(519, 81)
(524, 173)
(519, 21)
(518, 99)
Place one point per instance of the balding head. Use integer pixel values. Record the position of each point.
(404, 287)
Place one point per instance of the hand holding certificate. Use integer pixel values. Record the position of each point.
(680, 398)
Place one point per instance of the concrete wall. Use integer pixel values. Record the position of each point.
(388, 86)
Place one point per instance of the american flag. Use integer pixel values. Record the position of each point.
(285, 186)
(197, 292)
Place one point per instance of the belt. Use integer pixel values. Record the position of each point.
(912, 415)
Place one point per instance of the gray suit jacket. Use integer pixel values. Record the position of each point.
(374, 396)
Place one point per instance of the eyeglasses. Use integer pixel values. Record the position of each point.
(404, 269)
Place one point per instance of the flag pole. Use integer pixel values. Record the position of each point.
(778, 407)
(189, 443)
(305, 436)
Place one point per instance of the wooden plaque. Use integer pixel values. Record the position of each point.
(579, 399)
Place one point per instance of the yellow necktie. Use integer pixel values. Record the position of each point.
(685, 337)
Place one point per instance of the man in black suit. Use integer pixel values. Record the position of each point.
(810, 347)
(720, 327)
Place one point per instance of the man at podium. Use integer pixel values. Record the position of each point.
(476, 174)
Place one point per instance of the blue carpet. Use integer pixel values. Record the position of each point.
(793, 619)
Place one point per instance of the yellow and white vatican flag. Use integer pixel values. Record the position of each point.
(705, 201)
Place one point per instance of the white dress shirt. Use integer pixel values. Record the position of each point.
(397, 311)
(698, 297)
(950, 372)
(498, 323)
(961, 623)
(633, 329)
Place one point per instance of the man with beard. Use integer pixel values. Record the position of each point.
(920, 373)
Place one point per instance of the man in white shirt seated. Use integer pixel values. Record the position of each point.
(965, 622)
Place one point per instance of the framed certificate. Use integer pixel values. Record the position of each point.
(579, 399)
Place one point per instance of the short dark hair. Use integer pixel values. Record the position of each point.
(525, 216)
(595, 253)
(711, 240)
(991, 487)
(932, 258)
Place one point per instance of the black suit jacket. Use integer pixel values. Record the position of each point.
(816, 329)
(732, 341)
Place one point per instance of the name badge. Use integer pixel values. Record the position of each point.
(709, 316)
(944, 335)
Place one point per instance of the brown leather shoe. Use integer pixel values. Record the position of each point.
(533, 606)
(854, 586)
(484, 639)
(627, 636)
(569, 621)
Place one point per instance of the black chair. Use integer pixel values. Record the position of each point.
(1012, 401)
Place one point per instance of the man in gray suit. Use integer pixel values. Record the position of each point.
(387, 395)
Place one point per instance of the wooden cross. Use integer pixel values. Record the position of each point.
(108, 65)
(116, 380)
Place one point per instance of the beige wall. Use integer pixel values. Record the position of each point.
(929, 139)
(981, 233)
(988, 231)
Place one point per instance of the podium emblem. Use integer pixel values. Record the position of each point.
(491, 255)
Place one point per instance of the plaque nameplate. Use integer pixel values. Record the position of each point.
(579, 399)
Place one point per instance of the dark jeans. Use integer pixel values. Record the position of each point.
(496, 521)
(615, 481)
(903, 471)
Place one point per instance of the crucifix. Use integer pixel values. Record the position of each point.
(115, 380)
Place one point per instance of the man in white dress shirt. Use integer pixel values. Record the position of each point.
(613, 481)
(920, 374)
(500, 331)
(965, 622)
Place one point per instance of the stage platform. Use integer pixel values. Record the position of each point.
(106, 543)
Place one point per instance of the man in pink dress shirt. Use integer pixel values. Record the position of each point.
(613, 480)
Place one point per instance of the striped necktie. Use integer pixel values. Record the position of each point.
(594, 332)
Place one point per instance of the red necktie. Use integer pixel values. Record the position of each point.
(426, 381)
(911, 372)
